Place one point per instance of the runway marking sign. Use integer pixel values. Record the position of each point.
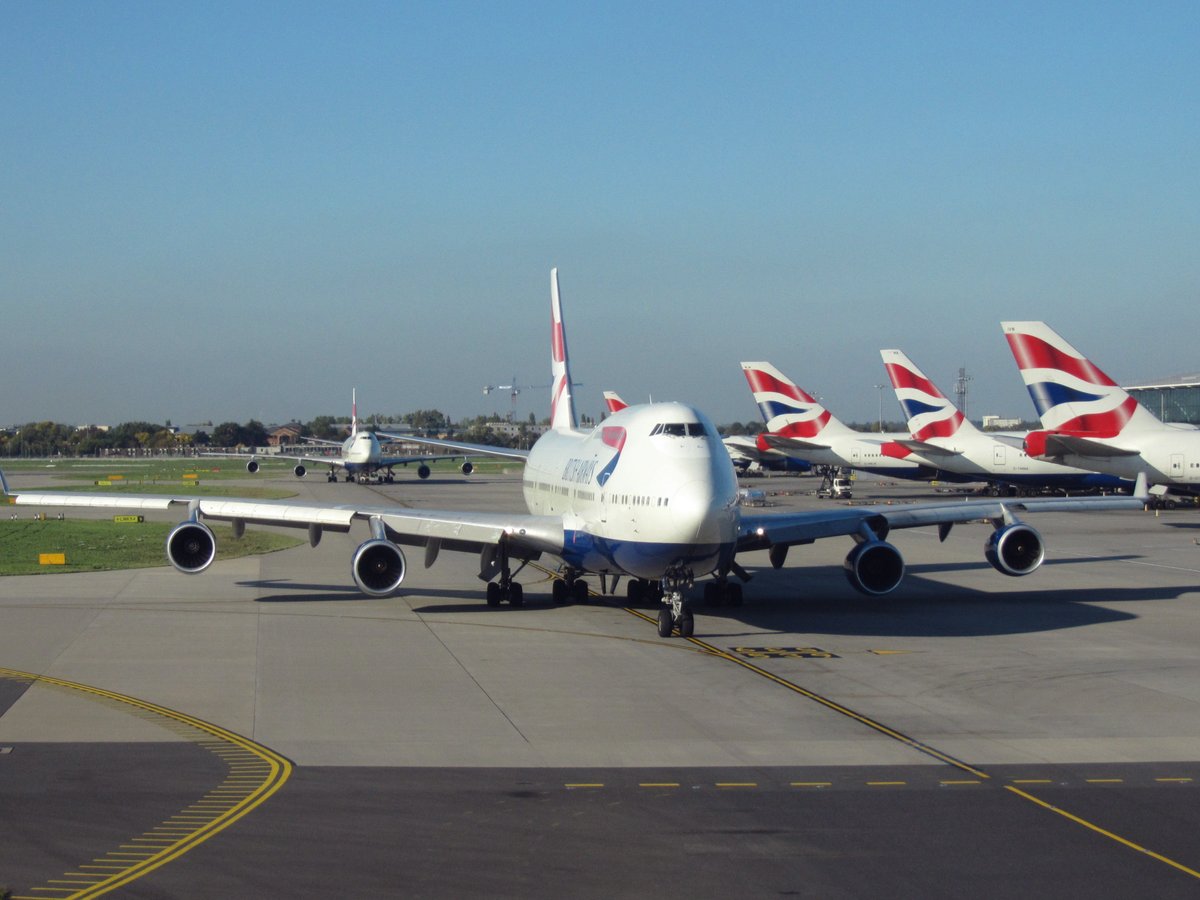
(784, 653)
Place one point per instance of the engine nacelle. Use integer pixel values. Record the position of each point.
(1015, 549)
(299, 470)
(378, 567)
(191, 547)
(467, 468)
(422, 471)
(874, 567)
(252, 466)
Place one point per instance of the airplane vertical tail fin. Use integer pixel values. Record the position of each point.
(1070, 392)
(613, 401)
(562, 405)
(929, 412)
(786, 408)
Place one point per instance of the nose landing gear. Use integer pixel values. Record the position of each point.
(675, 611)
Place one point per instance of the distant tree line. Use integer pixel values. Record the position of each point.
(38, 439)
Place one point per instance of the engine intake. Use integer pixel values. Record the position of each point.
(191, 547)
(467, 468)
(874, 567)
(299, 470)
(252, 466)
(1015, 549)
(422, 471)
(378, 567)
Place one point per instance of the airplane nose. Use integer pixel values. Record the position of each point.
(691, 507)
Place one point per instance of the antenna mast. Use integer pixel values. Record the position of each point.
(960, 391)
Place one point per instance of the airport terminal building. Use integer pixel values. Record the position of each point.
(1175, 399)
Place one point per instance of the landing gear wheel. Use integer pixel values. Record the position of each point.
(579, 591)
(559, 591)
(734, 595)
(687, 624)
(516, 594)
(493, 594)
(712, 594)
(665, 622)
(635, 590)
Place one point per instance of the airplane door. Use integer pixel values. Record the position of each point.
(1176, 470)
(998, 455)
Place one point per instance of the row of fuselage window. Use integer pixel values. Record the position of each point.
(630, 500)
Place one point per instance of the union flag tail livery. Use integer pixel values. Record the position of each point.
(930, 414)
(942, 434)
(1071, 394)
(786, 408)
(562, 405)
(802, 428)
(1089, 421)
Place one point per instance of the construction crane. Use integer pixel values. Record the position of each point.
(515, 389)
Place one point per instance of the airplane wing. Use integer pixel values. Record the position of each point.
(523, 534)
(761, 530)
(461, 446)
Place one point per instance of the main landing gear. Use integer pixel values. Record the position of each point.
(569, 587)
(504, 589)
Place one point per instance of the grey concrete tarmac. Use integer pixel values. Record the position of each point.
(442, 734)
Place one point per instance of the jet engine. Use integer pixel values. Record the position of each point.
(191, 547)
(467, 468)
(252, 466)
(874, 567)
(422, 471)
(1015, 549)
(378, 567)
(299, 470)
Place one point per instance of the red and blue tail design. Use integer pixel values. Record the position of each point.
(1071, 394)
(562, 407)
(787, 410)
(930, 414)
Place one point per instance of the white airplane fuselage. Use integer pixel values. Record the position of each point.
(1170, 455)
(980, 454)
(649, 489)
(361, 449)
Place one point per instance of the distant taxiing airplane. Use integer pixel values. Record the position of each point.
(648, 494)
(1091, 422)
(941, 433)
(360, 456)
(800, 426)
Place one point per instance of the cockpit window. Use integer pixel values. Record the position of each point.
(679, 429)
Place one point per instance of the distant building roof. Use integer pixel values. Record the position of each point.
(1170, 381)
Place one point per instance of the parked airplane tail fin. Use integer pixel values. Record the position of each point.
(929, 412)
(1070, 392)
(614, 402)
(562, 406)
(786, 408)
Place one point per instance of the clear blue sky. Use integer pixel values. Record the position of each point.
(224, 211)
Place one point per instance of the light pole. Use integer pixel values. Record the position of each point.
(880, 387)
